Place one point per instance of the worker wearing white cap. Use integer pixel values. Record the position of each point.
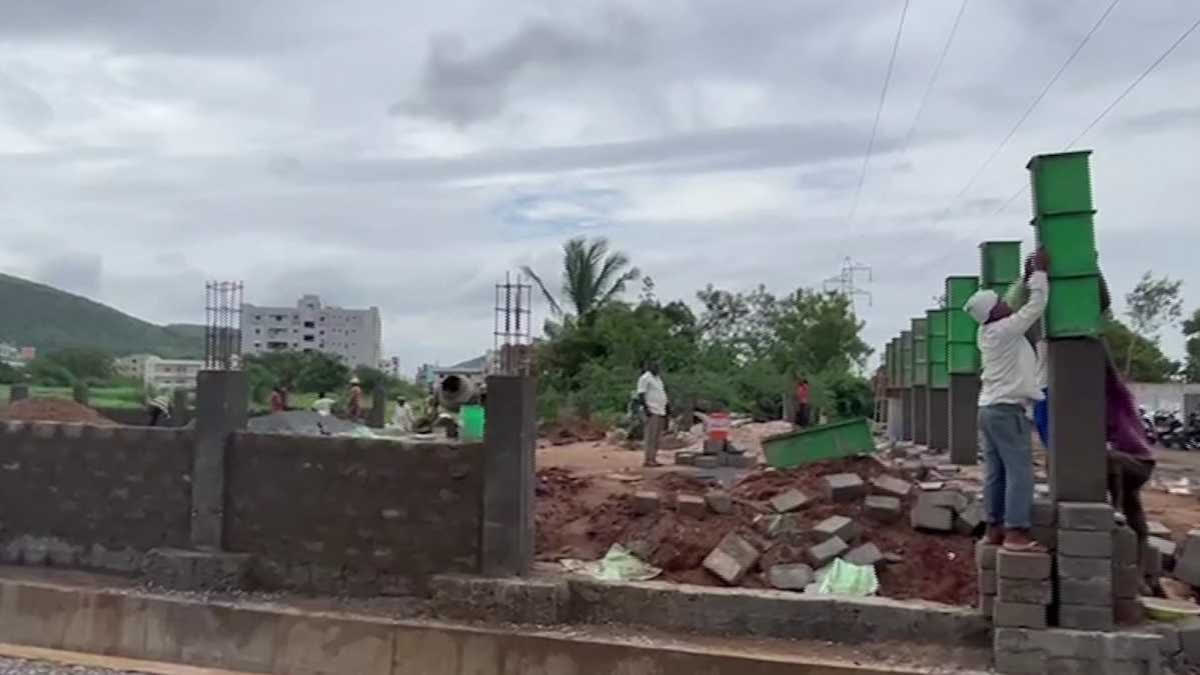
(1008, 388)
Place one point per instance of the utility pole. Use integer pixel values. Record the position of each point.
(846, 282)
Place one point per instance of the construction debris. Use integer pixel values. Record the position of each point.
(789, 501)
(845, 487)
(645, 502)
(53, 410)
(719, 501)
(790, 577)
(839, 526)
(691, 505)
(732, 559)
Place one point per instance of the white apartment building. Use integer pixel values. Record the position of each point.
(162, 375)
(353, 335)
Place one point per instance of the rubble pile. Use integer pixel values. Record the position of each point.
(53, 410)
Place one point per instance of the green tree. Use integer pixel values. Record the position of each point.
(1191, 330)
(49, 373)
(1152, 304)
(84, 363)
(322, 373)
(1148, 363)
(591, 276)
(10, 375)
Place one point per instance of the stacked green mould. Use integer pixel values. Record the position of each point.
(920, 371)
(906, 359)
(999, 264)
(893, 364)
(1063, 218)
(935, 340)
(962, 352)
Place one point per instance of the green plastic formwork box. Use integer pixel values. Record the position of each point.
(939, 376)
(962, 358)
(830, 441)
(935, 328)
(999, 263)
(1074, 308)
(960, 327)
(920, 353)
(1070, 241)
(906, 358)
(1061, 183)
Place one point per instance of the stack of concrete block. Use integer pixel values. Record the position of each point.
(1024, 589)
(1187, 562)
(940, 510)
(723, 453)
(1023, 651)
(985, 572)
(1045, 516)
(1085, 565)
(1126, 575)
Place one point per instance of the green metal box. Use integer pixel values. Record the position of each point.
(937, 350)
(935, 323)
(999, 262)
(1074, 309)
(918, 328)
(1070, 240)
(939, 376)
(959, 290)
(962, 358)
(1061, 183)
(830, 441)
(906, 359)
(962, 327)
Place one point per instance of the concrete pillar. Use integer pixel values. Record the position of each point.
(937, 415)
(510, 438)
(963, 414)
(895, 417)
(180, 413)
(1078, 463)
(906, 401)
(920, 399)
(378, 413)
(18, 392)
(221, 401)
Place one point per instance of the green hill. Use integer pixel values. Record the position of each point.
(47, 318)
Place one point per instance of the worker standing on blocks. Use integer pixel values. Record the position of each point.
(1008, 391)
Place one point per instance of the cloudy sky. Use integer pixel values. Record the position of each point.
(407, 155)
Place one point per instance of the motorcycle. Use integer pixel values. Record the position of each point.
(1147, 425)
(1168, 430)
(1191, 437)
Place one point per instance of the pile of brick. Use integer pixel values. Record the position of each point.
(837, 536)
(716, 453)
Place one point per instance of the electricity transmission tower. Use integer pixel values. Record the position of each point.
(846, 282)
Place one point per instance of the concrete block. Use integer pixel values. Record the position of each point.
(792, 577)
(1020, 663)
(1165, 549)
(1044, 513)
(1125, 546)
(686, 458)
(791, 500)
(845, 487)
(882, 508)
(719, 501)
(1070, 567)
(691, 505)
(1019, 615)
(1156, 528)
(1046, 536)
(1069, 665)
(1092, 516)
(949, 499)
(933, 518)
(890, 486)
(985, 555)
(822, 554)
(1187, 565)
(1085, 617)
(707, 461)
(839, 526)
(866, 554)
(1152, 561)
(913, 469)
(1096, 592)
(732, 559)
(738, 461)
(1014, 565)
(713, 447)
(1028, 591)
(987, 581)
(1126, 580)
(645, 502)
(1085, 544)
(932, 485)
(970, 520)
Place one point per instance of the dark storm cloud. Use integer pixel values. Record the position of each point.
(464, 87)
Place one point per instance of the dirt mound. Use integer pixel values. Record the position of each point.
(581, 518)
(53, 410)
(572, 431)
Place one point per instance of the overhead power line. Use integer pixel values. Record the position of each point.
(933, 78)
(862, 176)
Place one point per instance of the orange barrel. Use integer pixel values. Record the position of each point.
(718, 426)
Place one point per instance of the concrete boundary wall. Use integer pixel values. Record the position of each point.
(269, 638)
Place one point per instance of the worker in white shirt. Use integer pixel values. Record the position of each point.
(652, 396)
(1009, 388)
(323, 406)
(402, 419)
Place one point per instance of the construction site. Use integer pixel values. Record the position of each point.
(848, 547)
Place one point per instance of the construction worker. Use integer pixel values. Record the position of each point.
(802, 409)
(278, 399)
(323, 405)
(1009, 388)
(354, 402)
(402, 419)
(159, 409)
(652, 396)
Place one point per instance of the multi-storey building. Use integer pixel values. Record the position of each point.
(353, 335)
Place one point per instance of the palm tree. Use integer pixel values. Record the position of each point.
(591, 276)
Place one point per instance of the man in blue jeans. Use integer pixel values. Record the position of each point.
(1008, 390)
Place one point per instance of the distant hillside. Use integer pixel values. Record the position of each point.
(47, 318)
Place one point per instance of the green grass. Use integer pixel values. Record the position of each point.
(98, 397)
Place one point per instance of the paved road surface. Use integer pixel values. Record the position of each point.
(23, 667)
